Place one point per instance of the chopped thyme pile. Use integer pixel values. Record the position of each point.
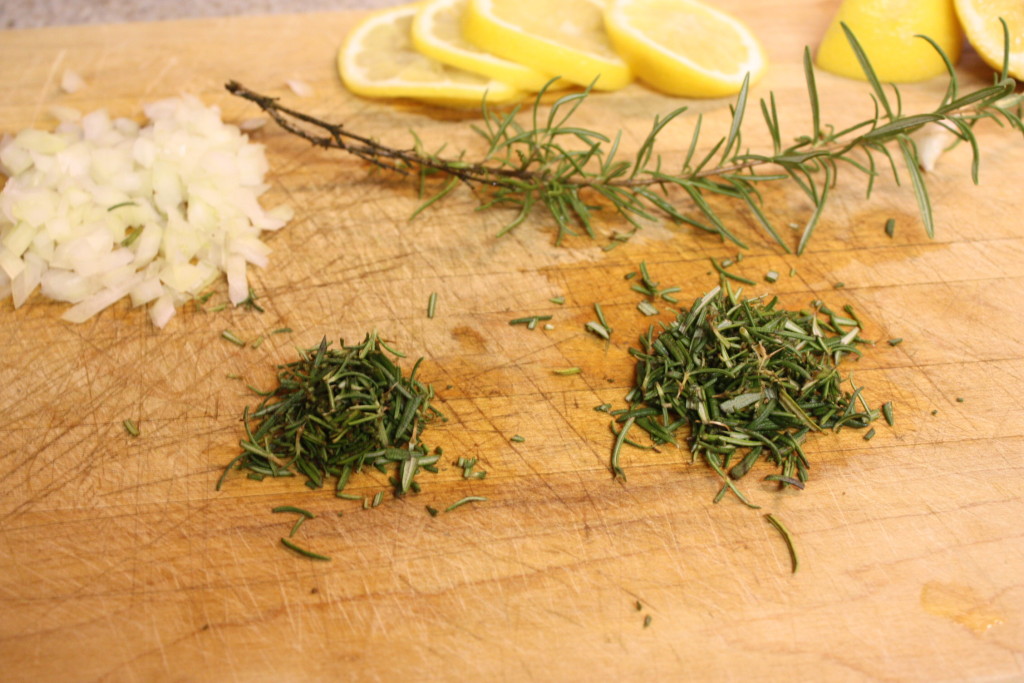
(749, 379)
(336, 410)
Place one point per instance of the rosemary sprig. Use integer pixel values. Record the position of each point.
(566, 168)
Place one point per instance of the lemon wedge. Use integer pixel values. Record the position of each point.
(887, 30)
(378, 59)
(437, 33)
(563, 37)
(684, 47)
(980, 19)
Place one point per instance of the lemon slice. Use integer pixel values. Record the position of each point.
(684, 47)
(887, 30)
(437, 33)
(379, 60)
(980, 19)
(563, 37)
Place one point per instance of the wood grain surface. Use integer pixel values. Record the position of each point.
(119, 561)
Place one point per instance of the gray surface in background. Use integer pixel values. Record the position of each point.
(36, 13)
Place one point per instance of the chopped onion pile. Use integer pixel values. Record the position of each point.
(103, 208)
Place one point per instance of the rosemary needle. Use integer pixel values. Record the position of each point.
(130, 427)
(467, 499)
(291, 508)
(568, 371)
(517, 439)
(302, 551)
(787, 538)
(232, 337)
(431, 304)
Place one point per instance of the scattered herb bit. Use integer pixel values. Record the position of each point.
(647, 308)
(130, 238)
(727, 262)
(771, 276)
(548, 326)
(787, 538)
(302, 551)
(870, 434)
(603, 408)
(218, 308)
(601, 319)
(431, 304)
(232, 375)
(792, 272)
(629, 276)
(749, 379)
(896, 342)
(723, 273)
(887, 412)
(935, 412)
(282, 330)
(232, 337)
(348, 496)
(467, 499)
(557, 300)
(839, 285)
(130, 427)
(249, 302)
(650, 287)
(291, 508)
(335, 411)
(959, 399)
(377, 498)
(122, 204)
(598, 329)
(567, 371)
(517, 439)
(340, 513)
(639, 607)
(530, 321)
(647, 620)
(295, 527)
(259, 342)
(432, 511)
(890, 227)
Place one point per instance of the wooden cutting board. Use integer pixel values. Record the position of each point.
(119, 561)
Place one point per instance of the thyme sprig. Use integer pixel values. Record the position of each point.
(551, 163)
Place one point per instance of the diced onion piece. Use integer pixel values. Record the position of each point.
(71, 82)
(104, 208)
(300, 88)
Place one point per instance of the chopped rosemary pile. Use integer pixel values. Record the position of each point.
(336, 410)
(751, 380)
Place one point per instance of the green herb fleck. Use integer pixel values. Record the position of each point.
(839, 285)
(896, 341)
(282, 330)
(517, 439)
(771, 276)
(302, 551)
(291, 508)
(787, 538)
(647, 620)
(432, 511)
(887, 413)
(467, 499)
(130, 427)
(249, 302)
(232, 337)
(959, 399)
(431, 304)
(890, 227)
(870, 434)
(567, 371)
(647, 308)
(557, 300)
(377, 498)
(603, 408)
